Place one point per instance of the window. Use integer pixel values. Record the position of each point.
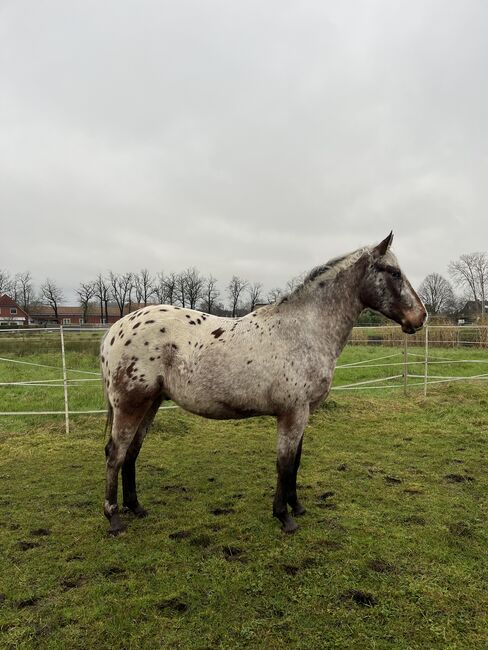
(66, 321)
(13, 310)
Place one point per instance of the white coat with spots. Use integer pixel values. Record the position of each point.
(278, 360)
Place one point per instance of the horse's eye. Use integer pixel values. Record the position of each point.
(396, 274)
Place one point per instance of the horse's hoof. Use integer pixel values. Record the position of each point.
(289, 526)
(299, 510)
(140, 512)
(114, 531)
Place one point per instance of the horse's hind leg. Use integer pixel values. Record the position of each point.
(295, 505)
(290, 433)
(129, 466)
(124, 429)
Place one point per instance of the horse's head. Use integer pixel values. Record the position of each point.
(385, 288)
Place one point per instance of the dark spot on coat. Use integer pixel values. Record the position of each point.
(192, 322)
(103, 359)
(127, 342)
(250, 361)
(199, 321)
(112, 341)
(152, 358)
(162, 330)
(148, 322)
(146, 343)
(187, 316)
(218, 332)
(136, 326)
(163, 310)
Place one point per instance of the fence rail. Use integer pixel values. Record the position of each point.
(403, 362)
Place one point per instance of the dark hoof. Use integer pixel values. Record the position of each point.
(298, 510)
(114, 531)
(116, 526)
(289, 526)
(140, 512)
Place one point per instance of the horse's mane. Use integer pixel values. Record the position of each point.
(324, 272)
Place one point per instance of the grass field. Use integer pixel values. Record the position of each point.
(391, 552)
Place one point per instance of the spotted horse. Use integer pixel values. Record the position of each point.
(278, 360)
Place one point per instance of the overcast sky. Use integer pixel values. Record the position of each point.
(241, 137)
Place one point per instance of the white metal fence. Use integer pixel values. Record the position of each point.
(403, 365)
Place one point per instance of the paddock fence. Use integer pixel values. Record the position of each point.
(56, 369)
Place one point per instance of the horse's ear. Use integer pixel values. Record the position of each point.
(383, 246)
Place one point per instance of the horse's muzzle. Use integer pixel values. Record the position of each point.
(410, 326)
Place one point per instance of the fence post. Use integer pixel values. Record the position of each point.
(405, 365)
(65, 380)
(426, 359)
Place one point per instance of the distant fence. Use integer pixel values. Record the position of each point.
(403, 365)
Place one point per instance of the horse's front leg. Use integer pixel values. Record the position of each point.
(290, 434)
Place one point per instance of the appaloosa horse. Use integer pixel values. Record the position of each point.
(278, 360)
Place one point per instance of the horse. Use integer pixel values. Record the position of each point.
(278, 360)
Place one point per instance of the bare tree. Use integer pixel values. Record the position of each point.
(121, 286)
(170, 283)
(102, 293)
(180, 288)
(254, 293)
(210, 294)
(24, 289)
(235, 288)
(437, 294)
(470, 271)
(86, 292)
(274, 294)
(143, 286)
(6, 283)
(194, 286)
(51, 295)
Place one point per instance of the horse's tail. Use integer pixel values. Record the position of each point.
(110, 418)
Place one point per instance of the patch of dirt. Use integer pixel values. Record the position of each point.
(232, 553)
(27, 602)
(381, 566)
(291, 569)
(362, 598)
(25, 546)
(113, 572)
(458, 478)
(393, 480)
(326, 495)
(201, 540)
(172, 605)
(180, 534)
(342, 467)
(222, 511)
(40, 532)
(73, 583)
(415, 520)
(460, 529)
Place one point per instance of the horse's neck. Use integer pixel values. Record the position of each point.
(330, 312)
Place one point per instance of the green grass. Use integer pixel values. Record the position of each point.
(395, 557)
